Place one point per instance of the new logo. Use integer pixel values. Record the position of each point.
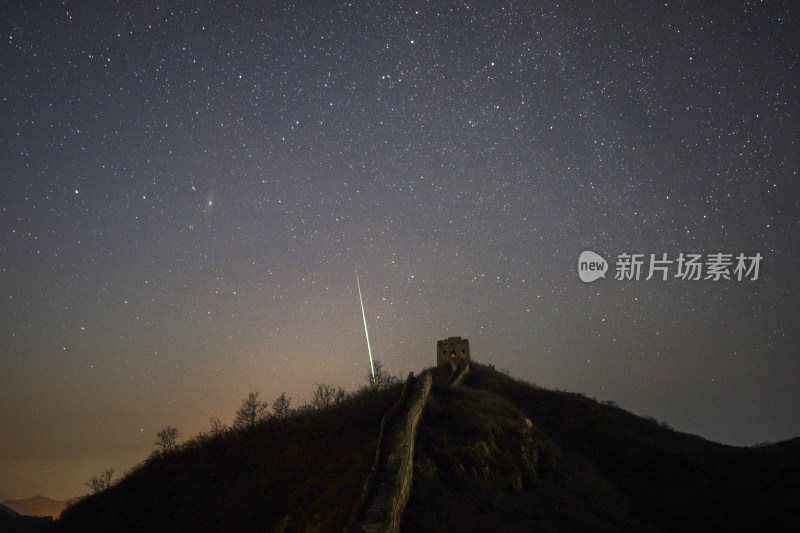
(591, 266)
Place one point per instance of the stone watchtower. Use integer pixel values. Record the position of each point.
(452, 348)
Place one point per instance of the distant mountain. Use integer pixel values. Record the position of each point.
(491, 454)
(37, 506)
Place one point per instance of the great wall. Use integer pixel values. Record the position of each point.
(385, 494)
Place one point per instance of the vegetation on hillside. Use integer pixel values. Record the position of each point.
(482, 465)
(596, 468)
(494, 454)
(296, 470)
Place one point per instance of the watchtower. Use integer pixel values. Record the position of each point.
(452, 348)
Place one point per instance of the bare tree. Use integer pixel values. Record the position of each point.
(101, 481)
(326, 395)
(167, 439)
(251, 412)
(281, 406)
(382, 380)
(217, 427)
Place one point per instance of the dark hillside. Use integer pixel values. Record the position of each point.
(493, 454)
(12, 522)
(481, 465)
(301, 474)
(677, 481)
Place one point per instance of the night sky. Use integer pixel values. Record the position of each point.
(187, 188)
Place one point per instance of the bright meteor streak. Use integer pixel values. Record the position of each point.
(364, 316)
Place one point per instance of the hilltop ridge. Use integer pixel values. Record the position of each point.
(503, 455)
(492, 453)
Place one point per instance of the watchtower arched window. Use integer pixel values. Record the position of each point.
(452, 348)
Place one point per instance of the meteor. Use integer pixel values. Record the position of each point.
(364, 316)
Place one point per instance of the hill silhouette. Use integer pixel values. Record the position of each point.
(304, 471)
(491, 454)
(497, 454)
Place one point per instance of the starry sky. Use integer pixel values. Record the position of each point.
(187, 188)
